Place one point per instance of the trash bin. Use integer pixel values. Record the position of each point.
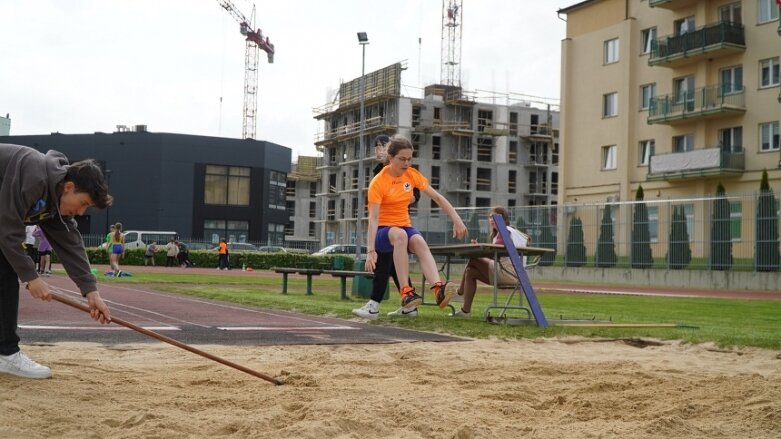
(362, 285)
(338, 263)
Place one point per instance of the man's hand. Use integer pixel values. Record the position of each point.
(97, 308)
(39, 289)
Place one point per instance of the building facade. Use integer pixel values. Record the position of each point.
(200, 187)
(673, 95)
(5, 125)
(475, 152)
(302, 188)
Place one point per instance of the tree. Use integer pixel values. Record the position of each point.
(641, 256)
(576, 251)
(547, 239)
(720, 234)
(679, 253)
(606, 247)
(767, 248)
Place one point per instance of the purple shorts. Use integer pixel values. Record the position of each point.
(382, 243)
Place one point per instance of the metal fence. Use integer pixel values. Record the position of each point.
(713, 233)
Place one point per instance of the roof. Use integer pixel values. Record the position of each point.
(579, 5)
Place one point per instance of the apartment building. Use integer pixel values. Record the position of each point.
(673, 95)
(301, 204)
(474, 151)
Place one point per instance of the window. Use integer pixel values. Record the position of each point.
(312, 209)
(653, 223)
(647, 148)
(276, 190)
(731, 13)
(483, 179)
(683, 143)
(688, 211)
(611, 51)
(768, 11)
(732, 80)
(311, 230)
(609, 157)
(684, 92)
(276, 234)
(435, 177)
(768, 72)
(512, 181)
(513, 123)
(436, 147)
(731, 139)
(232, 231)
(482, 202)
(647, 94)
(610, 105)
(648, 37)
(512, 154)
(437, 113)
(768, 137)
(228, 185)
(484, 149)
(313, 189)
(684, 25)
(735, 219)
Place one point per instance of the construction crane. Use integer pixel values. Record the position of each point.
(451, 42)
(254, 42)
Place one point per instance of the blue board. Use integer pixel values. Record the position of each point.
(523, 278)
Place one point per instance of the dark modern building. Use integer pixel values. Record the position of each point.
(201, 187)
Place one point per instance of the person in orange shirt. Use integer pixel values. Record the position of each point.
(390, 228)
(223, 255)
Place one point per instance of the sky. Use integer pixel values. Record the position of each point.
(177, 66)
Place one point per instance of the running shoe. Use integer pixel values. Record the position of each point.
(404, 312)
(367, 312)
(442, 294)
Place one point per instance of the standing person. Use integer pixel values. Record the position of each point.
(149, 254)
(171, 250)
(223, 255)
(29, 243)
(108, 239)
(47, 191)
(184, 256)
(44, 253)
(117, 248)
(390, 228)
(482, 269)
(384, 268)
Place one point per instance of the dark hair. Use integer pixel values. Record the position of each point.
(88, 178)
(505, 216)
(398, 143)
(382, 139)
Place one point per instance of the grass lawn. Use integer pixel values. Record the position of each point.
(725, 322)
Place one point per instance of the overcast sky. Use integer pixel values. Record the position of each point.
(80, 66)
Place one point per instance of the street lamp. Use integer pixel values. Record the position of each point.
(363, 40)
(107, 172)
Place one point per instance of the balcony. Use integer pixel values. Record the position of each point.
(671, 4)
(702, 103)
(708, 42)
(709, 162)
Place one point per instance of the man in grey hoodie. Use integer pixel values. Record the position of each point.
(47, 191)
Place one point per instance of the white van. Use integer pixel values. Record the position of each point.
(141, 238)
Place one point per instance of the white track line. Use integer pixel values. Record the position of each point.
(98, 328)
(282, 328)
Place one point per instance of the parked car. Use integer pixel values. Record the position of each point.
(339, 249)
(272, 249)
(198, 245)
(238, 247)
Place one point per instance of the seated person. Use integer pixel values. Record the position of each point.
(482, 269)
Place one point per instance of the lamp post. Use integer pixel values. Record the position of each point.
(363, 40)
(107, 172)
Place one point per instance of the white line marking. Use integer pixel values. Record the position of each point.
(281, 328)
(100, 328)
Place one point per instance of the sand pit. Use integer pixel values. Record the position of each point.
(477, 389)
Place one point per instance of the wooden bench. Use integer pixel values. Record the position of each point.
(308, 272)
(343, 275)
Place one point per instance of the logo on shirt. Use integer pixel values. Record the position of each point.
(407, 186)
(37, 213)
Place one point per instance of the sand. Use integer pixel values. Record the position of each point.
(555, 388)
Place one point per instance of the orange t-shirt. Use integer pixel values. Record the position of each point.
(223, 248)
(394, 194)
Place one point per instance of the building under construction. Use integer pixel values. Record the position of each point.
(474, 150)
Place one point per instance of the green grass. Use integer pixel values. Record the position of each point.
(724, 322)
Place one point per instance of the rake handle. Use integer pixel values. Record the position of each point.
(169, 340)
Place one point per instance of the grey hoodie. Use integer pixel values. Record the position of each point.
(28, 195)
